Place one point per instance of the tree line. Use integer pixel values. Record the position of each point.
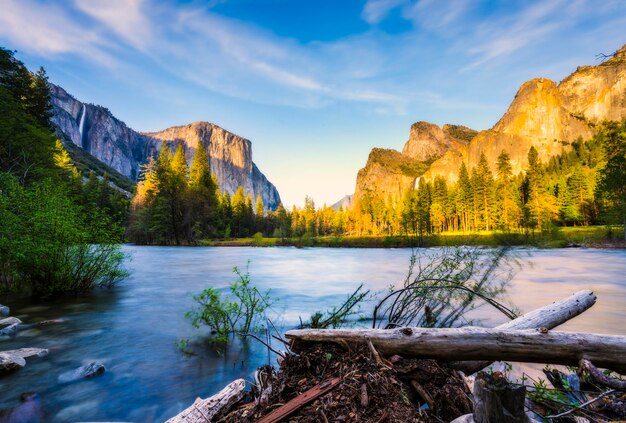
(582, 186)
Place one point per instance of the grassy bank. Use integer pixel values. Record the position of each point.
(559, 237)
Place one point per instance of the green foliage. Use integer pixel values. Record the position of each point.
(612, 183)
(50, 246)
(242, 312)
(56, 235)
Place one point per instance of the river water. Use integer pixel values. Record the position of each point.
(132, 328)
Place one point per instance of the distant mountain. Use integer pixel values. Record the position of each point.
(543, 114)
(345, 203)
(94, 130)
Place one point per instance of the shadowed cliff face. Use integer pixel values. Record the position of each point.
(547, 116)
(97, 131)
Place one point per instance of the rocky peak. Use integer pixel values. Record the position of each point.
(428, 141)
(547, 116)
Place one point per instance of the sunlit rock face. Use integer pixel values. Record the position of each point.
(230, 157)
(427, 140)
(388, 174)
(548, 116)
(125, 150)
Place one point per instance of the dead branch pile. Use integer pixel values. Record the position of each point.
(369, 389)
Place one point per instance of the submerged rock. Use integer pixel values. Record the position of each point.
(4, 310)
(90, 370)
(78, 412)
(28, 411)
(9, 330)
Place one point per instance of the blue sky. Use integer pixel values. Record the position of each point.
(313, 84)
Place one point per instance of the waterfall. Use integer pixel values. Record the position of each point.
(81, 125)
(417, 183)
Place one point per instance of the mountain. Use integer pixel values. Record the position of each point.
(547, 116)
(388, 174)
(543, 114)
(345, 203)
(94, 130)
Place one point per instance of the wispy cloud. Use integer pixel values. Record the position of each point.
(126, 18)
(49, 30)
(506, 35)
(375, 11)
(390, 72)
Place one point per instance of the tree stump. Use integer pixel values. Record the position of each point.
(497, 401)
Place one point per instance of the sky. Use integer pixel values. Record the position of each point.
(313, 84)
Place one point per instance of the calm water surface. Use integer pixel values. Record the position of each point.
(133, 328)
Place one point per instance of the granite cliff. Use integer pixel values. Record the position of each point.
(543, 114)
(548, 116)
(96, 131)
(388, 174)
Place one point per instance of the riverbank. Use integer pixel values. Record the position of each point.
(560, 237)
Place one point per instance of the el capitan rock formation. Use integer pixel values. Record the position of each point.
(95, 130)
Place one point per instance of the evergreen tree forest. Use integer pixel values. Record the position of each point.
(59, 229)
(582, 186)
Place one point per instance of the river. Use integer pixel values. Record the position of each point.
(132, 328)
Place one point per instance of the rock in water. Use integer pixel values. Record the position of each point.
(9, 330)
(4, 310)
(10, 321)
(9, 361)
(90, 370)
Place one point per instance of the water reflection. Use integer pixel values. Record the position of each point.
(132, 329)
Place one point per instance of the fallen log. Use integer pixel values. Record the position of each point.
(549, 317)
(472, 343)
(203, 410)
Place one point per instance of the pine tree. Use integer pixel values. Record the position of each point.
(465, 198)
(203, 192)
(507, 208)
(259, 211)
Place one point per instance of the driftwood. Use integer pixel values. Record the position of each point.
(203, 410)
(548, 317)
(600, 377)
(472, 343)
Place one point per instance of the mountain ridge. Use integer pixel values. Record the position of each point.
(543, 114)
(95, 130)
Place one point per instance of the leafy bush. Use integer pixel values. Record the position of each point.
(242, 312)
(50, 245)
